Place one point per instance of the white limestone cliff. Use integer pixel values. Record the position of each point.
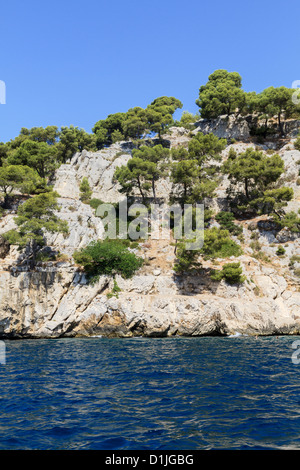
(55, 299)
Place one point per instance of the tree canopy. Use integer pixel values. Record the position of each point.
(19, 178)
(35, 217)
(222, 94)
(142, 171)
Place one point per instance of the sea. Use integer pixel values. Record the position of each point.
(198, 393)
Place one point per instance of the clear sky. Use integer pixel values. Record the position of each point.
(74, 62)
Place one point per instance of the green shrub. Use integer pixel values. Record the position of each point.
(115, 291)
(256, 246)
(117, 136)
(42, 256)
(85, 190)
(108, 257)
(254, 236)
(95, 203)
(231, 273)
(294, 259)
(290, 221)
(280, 251)
(225, 219)
(218, 244)
(13, 237)
(297, 143)
(186, 260)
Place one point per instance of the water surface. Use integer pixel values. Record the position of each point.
(157, 394)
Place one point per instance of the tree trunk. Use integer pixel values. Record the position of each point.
(7, 201)
(153, 190)
(280, 124)
(140, 189)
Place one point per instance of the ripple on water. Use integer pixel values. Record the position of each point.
(171, 393)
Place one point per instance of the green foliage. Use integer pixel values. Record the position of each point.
(44, 149)
(106, 128)
(115, 291)
(160, 113)
(225, 219)
(204, 147)
(231, 273)
(19, 178)
(49, 135)
(35, 217)
(296, 144)
(273, 200)
(274, 102)
(255, 169)
(142, 171)
(72, 140)
(37, 155)
(95, 203)
(218, 244)
(186, 260)
(186, 174)
(107, 257)
(14, 238)
(280, 251)
(290, 220)
(187, 120)
(294, 259)
(85, 190)
(192, 169)
(135, 124)
(117, 136)
(222, 94)
(44, 257)
(134, 175)
(257, 173)
(4, 151)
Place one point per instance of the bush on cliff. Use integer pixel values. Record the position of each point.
(186, 260)
(108, 257)
(34, 218)
(218, 244)
(231, 273)
(226, 220)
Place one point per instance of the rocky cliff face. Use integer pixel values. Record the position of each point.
(55, 300)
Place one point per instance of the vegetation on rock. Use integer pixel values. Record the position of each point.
(108, 257)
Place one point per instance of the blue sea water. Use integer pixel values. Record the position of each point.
(157, 394)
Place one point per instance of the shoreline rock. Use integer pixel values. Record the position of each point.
(55, 304)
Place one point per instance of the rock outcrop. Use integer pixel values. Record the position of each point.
(55, 300)
(225, 127)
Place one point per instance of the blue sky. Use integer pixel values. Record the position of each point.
(73, 62)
